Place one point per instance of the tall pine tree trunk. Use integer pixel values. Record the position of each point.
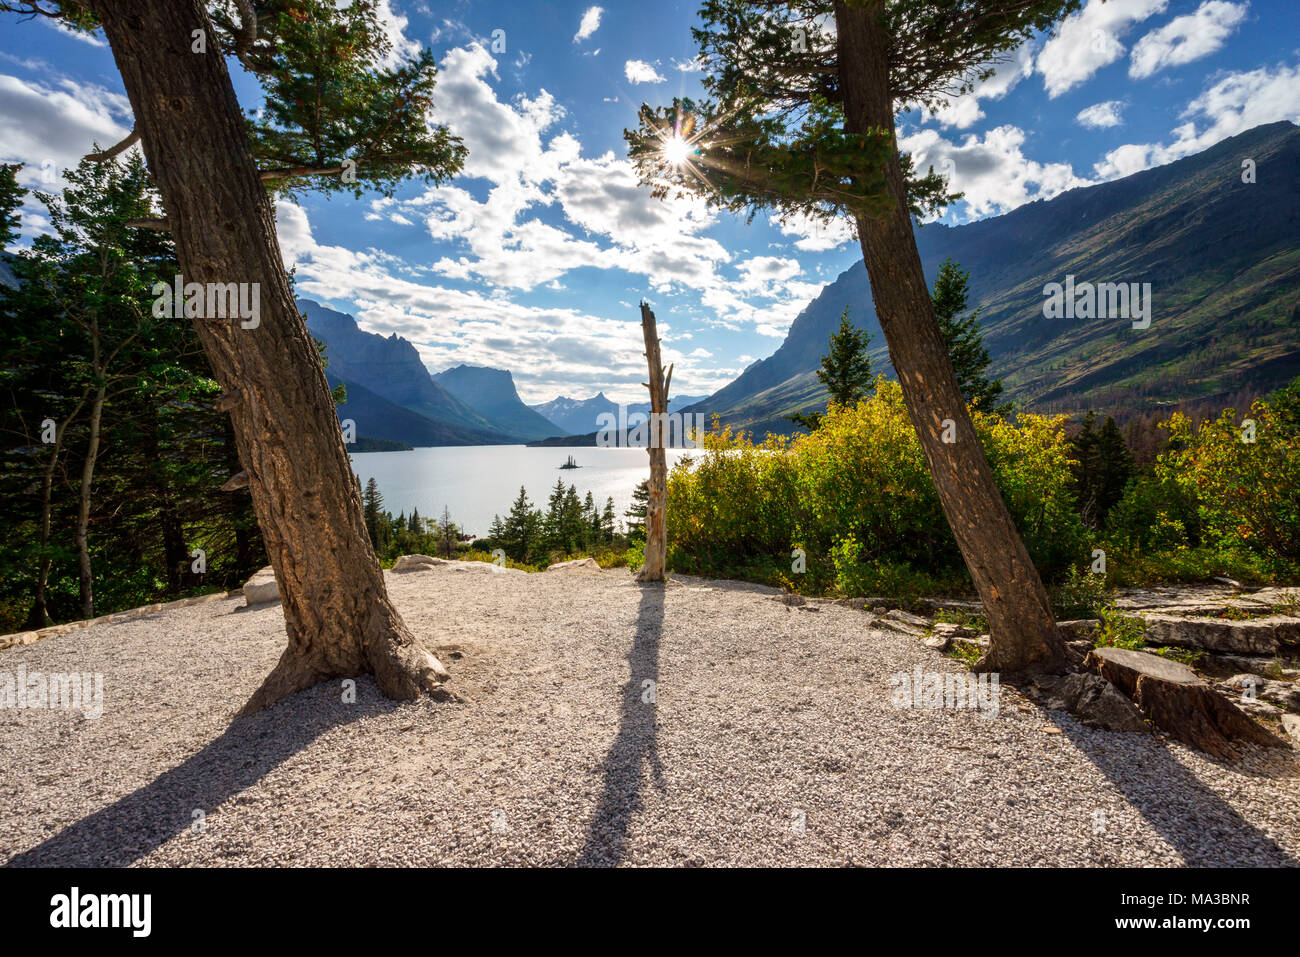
(1023, 630)
(337, 613)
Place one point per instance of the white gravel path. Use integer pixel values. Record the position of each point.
(765, 715)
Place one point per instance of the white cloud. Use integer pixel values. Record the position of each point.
(815, 235)
(1102, 115)
(590, 23)
(1089, 40)
(50, 129)
(993, 172)
(1187, 38)
(1237, 102)
(639, 71)
(394, 24)
(964, 111)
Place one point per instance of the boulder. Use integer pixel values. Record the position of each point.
(1096, 702)
(1081, 629)
(416, 563)
(261, 588)
(578, 564)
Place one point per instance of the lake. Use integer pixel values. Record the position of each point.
(478, 481)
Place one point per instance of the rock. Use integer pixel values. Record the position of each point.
(1272, 596)
(1291, 725)
(1258, 665)
(1082, 646)
(916, 621)
(261, 588)
(1256, 637)
(588, 564)
(1082, 629)
(416, 563)
(1172, 696)
(1097, 703)
(978, 643)
(939, 641)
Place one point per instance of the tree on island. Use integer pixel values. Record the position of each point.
(335, 118)
(965, 340)
(845, 371)
(800, 119)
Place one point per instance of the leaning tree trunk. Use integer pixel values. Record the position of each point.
(656, 531)
(1024, 634)
(337, 613)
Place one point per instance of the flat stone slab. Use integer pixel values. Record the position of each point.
(261, 588)
(1258, 636)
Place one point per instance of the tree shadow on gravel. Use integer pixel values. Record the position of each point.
(635, 745)
(1194, 820)
(249, 749)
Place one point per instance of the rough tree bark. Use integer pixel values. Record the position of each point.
(337, 613)
(656, 530)
(1023, 630)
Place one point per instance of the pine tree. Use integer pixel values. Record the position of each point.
(636, 512)
(11, 200)
(522, 530)
(845, 371)
(448, 533)
(373, 510)
(607, 520)
(332, 116)
(800, 120)
(965, 339)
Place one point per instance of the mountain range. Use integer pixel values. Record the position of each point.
(1222, 255)
(580, 416)
(391, 395)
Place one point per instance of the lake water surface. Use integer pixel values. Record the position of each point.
(479, 481)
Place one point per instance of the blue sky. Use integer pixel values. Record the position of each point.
(535, 257)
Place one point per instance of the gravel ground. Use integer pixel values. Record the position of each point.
(771, 740)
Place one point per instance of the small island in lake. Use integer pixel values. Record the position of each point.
(570, 464)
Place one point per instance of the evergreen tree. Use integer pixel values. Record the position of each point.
(522, 532)
(1104, 466)
(970, 359)
(607, 520)
(336, 115)
(372, 506)
(636, 512)
(448, 533)
(800, 120)
(11, 200)
(845, 371)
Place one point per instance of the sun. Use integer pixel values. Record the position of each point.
(677, 151)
